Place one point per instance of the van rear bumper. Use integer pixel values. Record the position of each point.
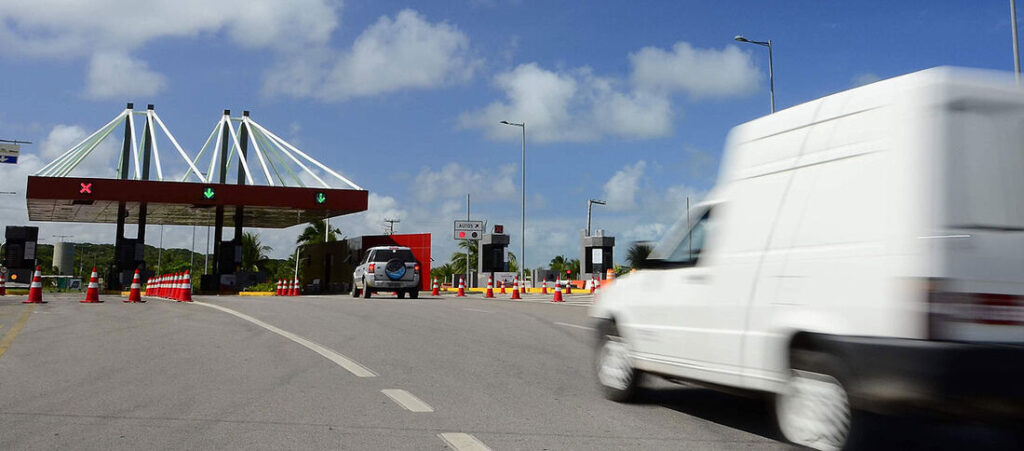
(892, 375)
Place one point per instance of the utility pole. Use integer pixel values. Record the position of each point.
(467, 242)
(391, 225)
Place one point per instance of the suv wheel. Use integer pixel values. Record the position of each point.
(355, 290)
(366, 290)
(401, 294)
(615, 372)
(414, 293)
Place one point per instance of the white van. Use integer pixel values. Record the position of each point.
(863, 252)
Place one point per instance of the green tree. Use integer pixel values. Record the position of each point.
(315, 232)
(442, 272)
(637, 255)
(558, 264)
(458, 260)
(513, 262)
(254, 253)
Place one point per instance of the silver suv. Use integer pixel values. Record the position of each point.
(387, 268)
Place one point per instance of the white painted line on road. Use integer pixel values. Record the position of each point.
(479, 310)
(407, 400)
(462, 442)
(573, 325)
(351, 365)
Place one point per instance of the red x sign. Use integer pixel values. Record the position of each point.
(86, 188)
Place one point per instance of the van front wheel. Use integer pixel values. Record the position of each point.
(615, 373)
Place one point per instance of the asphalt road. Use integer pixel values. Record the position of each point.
(333, 372)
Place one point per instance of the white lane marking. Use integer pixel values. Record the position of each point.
(573, 325)
(462, 442)
(478, 310)
(351, 365)
(407, 400)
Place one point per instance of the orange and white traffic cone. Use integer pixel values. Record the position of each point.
(501, 284)
(593, 285)
(544, 287)
(294, 288)
(437, 289)
(568, 286)
(3, 285)
(186, 288)
(92, 293)
(490, 288)
(609, 274)
(558, 293)
(298, 288)
(515, 289)
(35, 291)
(462, 289)
(135, 293)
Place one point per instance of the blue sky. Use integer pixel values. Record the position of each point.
(624, 101)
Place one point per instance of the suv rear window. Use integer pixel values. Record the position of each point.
(383, 255)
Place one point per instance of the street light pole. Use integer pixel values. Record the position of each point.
(1013, 26)
(522, 248)
(771, 70)
(590, 204)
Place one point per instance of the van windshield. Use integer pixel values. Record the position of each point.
(985, 165)
(682, 245)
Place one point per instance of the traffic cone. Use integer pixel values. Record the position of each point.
(35, 291)
(558, 293)
(462, 289)
(3, 285)
(515, 289)
(186, 287)
(490, 288)
(544, 287)
(609, 274)
(295, 287)
(92, 293)
(568, 286)
(160, 292)
(277, 291)
(592, 284)
(437, 289)
(598, 282)
(134, 294)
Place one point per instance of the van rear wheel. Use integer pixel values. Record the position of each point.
(615, 373)
(814, 408)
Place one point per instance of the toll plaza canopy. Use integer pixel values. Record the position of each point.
(96, 200)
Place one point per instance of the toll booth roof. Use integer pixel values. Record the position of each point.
(96, 200)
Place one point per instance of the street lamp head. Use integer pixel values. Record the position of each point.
(505, 122)
(740, 38)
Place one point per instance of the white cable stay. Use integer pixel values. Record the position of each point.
(181, 152)
(71, 163)
(296, 160)
(325, 168)
(152, 139)
(135, 150)
(200, 155)
(256, 147)
(216, 151)
(53, 164)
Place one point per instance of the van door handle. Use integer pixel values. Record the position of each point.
(697, 278)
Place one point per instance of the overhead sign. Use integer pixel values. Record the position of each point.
(469, 230)
(9, 153)
(86, 188)
(209, 193)
(320, 198)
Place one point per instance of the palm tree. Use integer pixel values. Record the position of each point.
(315, 232)
(442, 272)
(513, 263)
(558, 264)
(254, 253)
(637, 254)
(459, 258)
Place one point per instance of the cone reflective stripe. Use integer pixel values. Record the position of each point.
(490, 288)
(593, 284)
(3, 285)
(515, 288)
(295, 287)
(462, 289)
(609, 274)
(558, 293)
(502, 284)
(437, 289)
(568, 286)
(92, 293)
(186, 287)
(280, 284)
(544, 287)
(135, 294)
(35, 291)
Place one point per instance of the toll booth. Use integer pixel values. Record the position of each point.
(596, 254)
(20, 255)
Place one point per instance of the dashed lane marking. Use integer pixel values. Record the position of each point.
(462, 442)
(478, 310)
(351, 365)
(407, 400)
(576, 326)
(16, 328)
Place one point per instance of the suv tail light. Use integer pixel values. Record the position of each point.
(948, 308)
(369, 268)
(416, 268)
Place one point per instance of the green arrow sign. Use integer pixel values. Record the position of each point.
(321, 198)
(208, 193)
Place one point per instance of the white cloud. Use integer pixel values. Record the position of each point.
(578, 105)
(698, 72)
(115, 75)
(620, 191)
(864, 79)
(455, 181)
(406, 52)
(108, 31)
